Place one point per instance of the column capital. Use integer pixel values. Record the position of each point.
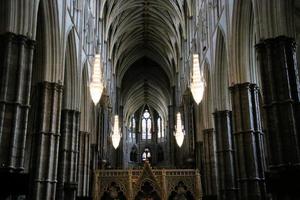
(271, 42)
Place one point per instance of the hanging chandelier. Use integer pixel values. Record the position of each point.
(179, 130)
(96, 86)
(116, 135)
(197, 83)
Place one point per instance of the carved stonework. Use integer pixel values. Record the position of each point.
(147, 176)
(148, 183)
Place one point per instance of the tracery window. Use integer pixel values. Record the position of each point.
(146, 126)
(146, 155)
(131, 129)
(160, 128)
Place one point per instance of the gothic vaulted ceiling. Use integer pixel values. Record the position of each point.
(144, 38)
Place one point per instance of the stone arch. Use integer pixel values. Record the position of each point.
(38, 72)
(181, 192)
(148, 190)
(85, 100)
(221, 87)
(70, 122)
(244, 37)
(45, 101)
(53, 52)
(71, 74)
(27, 26)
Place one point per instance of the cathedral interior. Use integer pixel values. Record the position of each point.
(149, 100)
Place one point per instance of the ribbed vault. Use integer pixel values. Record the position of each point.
(140, 29)
(145, 83)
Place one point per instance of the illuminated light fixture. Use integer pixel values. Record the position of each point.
(96, 86)
(179, 130)
(197, 83)
(116, 135)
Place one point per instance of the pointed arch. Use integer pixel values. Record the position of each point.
(221, 81)
(85, 100)
(71, 93)
(207, 102)
(244, 37)
(53, 52)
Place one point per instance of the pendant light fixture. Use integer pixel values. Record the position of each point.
(116, 134)
(96, 86)
(179, 130)
(197, 83)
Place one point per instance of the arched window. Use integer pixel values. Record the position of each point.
(131, 130)
(160, 128)
(146, 126)
(146, 155)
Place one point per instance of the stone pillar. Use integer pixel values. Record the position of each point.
(46, 141)
(249, 144)
(225, 156)
(187, 116)
(210, 166)
(84, 165)
(16, 57)
(68, 155)
(280, 87)
(171, 138)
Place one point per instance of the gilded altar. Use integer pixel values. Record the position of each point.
(147, 183)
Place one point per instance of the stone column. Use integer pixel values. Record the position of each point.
(170, 136)
(16, 57)
(249, 144)
(187, 116)
(84, 164)
(225, 156)
(46, 141)
(280, 87)
(210, 169)
(68, 155)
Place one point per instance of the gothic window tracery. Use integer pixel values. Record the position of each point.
(160, 128)
(131, 130)
(146, 155)
(146, 126)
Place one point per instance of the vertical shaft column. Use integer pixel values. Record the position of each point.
(225, 156)
(280, 86)
(84, 164)
(210, 168)
(46, 141)
(15, 83)
(249, 143)
(171, 138)
(68, 155)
